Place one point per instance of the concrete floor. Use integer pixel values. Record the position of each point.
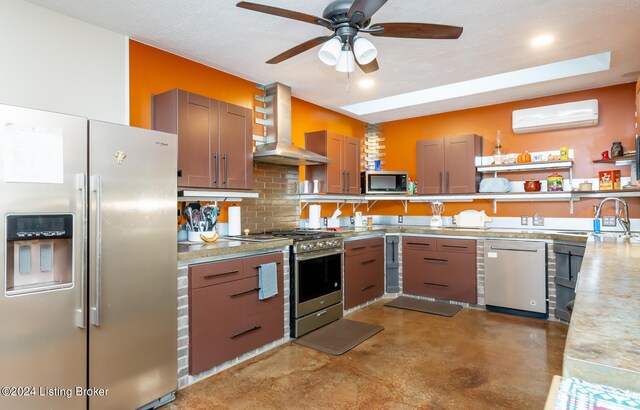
(474, 360)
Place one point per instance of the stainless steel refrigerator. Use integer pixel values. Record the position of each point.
(88, 311)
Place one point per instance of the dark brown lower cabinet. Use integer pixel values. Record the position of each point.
(363, 271)
(226, 318)
(440, 268)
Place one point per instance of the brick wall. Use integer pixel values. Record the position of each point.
(277, 208)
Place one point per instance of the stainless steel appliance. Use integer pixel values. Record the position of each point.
(316, 279)
(516, 277)
(88, 309)
(383, 182)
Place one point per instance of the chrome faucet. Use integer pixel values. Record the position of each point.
(623, 219)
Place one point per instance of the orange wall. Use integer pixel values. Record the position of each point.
(616, 110)
(152, 71)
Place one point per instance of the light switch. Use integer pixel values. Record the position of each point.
(524, 220)
(538, 220)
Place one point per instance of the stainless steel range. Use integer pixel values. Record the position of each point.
(316, 279)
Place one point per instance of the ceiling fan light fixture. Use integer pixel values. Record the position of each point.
(364, 50)
(330, 52)
(346, 63)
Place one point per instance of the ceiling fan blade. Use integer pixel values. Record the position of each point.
(299, 49)
(369, 68)
(366, 7)
(416, 30)
(290, 14)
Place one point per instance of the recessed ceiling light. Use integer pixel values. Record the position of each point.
(554, 71)
(541, 41)
(366, 83)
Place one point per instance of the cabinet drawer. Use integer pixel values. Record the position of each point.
(208, 274)
(226, 341)
(441, 275)
(364, 278)
(418, 243)
(222, 320)
(252, 264)
(456, 245)
(364, 245)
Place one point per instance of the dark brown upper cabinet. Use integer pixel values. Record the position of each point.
(342, 174)
(214, 139)
(447, 165)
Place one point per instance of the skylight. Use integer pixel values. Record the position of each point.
(554, 71)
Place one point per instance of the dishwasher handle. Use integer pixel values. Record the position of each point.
(506, 248)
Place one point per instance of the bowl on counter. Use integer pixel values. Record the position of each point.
(532, 185)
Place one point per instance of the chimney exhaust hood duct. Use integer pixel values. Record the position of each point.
(278, 148)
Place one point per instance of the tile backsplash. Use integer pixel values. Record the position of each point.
(277, 208)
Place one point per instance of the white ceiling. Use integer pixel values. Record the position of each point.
(495, 40)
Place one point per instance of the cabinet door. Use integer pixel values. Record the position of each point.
(363, 278)
(430, 166)
(195, 120)
(351, 150)
(460, 176)
(336, 174)
(235, 150)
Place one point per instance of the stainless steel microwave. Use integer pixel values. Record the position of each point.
(383, 182)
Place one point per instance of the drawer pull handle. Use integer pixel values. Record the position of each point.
(244, 332)
(358, 248)
(258, 266)
(369, 261)
(418, 243)
(436, 284)
(456, 246)
(321, 313)
(215, 275)
(368, 287)
(233, 295)
(436, 259)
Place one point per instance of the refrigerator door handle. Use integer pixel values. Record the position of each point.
(80, 317)
(95, 310)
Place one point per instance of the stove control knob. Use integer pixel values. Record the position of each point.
(320, 245)
(304, 247)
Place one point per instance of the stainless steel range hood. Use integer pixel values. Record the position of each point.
(277, 147)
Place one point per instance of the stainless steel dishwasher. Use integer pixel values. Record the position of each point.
(515, 277)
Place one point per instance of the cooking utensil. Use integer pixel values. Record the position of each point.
(532, 185)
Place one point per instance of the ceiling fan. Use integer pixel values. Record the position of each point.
(347, 18)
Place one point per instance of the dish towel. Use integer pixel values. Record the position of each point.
(268, 280)
(576, 394)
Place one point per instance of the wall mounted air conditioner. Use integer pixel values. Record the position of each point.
(556, 117)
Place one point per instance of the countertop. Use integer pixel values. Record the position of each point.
(603, 343)
(195, 250)
(501, 233)
(191, 251)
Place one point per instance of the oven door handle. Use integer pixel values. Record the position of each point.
(314, 255)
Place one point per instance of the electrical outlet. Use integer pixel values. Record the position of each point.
(608, 221)
(400, 219)
(351, 220)
(538, 220)
(524, 220)
(325, 221)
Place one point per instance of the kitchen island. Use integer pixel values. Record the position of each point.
(603, 344)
